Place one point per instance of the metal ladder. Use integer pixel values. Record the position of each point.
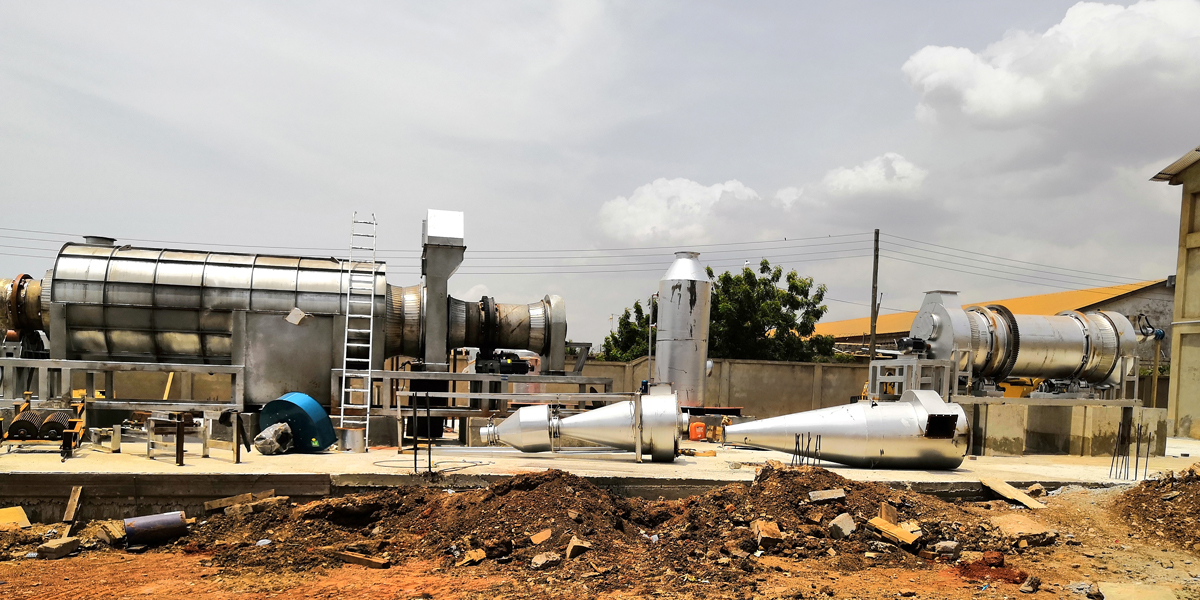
(360, 325)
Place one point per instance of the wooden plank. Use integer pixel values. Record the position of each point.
(887, 512)
(15, 515)
(1011, 493)
(220, 503)
(894, 532)
(362, 559)
(72, 504)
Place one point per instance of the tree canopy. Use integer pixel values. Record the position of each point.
(631, 338)
(754, 318)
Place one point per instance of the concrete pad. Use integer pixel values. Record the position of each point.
(1132, 591)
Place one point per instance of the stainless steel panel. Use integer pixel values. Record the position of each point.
(681, 346)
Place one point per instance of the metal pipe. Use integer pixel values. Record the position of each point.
(153, 529)
(918, 431)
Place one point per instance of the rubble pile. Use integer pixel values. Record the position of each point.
(557, 522)
(1165, 508)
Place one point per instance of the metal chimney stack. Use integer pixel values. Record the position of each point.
(681, 350)
(918, 431)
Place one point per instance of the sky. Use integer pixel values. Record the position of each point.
(1002, 149)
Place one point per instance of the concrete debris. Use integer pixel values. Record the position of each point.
(842, 526)
(472, 557)
(575, 516)
(825, 496)
(767, 534)
(545, 560)
(541, 536)
(215, 505)
(1031, 585)
(577, 547)
(1019, 528)
(1035, 491)
(257, 507)
(58, 548)
(112, 532)
(949, 550)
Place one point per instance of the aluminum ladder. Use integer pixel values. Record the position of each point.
(359, 272)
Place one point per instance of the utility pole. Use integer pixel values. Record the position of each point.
(874, 294)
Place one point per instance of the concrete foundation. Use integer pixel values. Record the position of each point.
(1020, 430)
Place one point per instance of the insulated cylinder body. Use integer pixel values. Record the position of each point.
(996, 344)
(681, 349)
(157, 305)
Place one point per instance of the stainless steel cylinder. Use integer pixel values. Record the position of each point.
(167, 305)
(681, 348)
(918, 431)
(996, 344)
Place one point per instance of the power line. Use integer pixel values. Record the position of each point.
(1134, 279)
(994, 269)
(1130, 285)
(1085, 279)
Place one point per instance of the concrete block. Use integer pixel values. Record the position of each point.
(577, 547)
(545, 560)
(767, 533)
(823, 496)
(58, 548)
(842, 526)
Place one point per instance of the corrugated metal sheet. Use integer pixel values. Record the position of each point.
(1042, 304)
(1178, 166)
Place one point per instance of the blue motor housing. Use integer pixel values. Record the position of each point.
(312, 431)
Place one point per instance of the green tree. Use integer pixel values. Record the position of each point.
(631, 338)
(754, 318)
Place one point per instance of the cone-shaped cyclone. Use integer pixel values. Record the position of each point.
(889, 435)
(527, 430)
(613, 425)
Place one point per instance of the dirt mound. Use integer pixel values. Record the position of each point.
(708, 537)
(1165, 508)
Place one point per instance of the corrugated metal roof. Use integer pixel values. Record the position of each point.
(1178, 166)
(1042, 304)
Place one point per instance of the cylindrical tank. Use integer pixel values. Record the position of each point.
(999, 344)
(159, 305)
(681, 349)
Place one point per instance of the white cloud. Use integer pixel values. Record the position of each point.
(889, 173)
(670, 210)
(1097, 49)
(788, 196)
